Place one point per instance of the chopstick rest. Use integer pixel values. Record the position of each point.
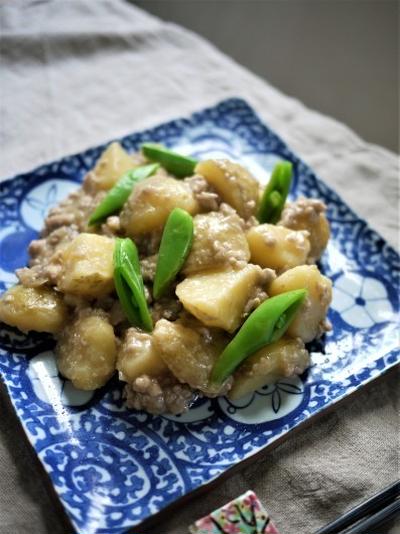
(244, 515)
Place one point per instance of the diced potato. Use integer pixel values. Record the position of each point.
(152, 201)
(112, 164)
(283, 358)
(190, 354)
(87, 266)
(137, 356)
(310, 318)
(308, 214)
(218, 240)
(218, 298)
(33, 308)
(319, 237)
(277, 247)
(233, 183)
(86, 350)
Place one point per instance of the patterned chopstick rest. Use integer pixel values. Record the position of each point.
(244, 515)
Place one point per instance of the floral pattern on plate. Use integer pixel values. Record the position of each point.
(113, 468)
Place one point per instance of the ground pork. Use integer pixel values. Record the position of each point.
(166, 308)
(148, 266)
(223, 254)
(258, 294)
(308, 214)
(41, 250)
(159, 395)
(256, 297)
(245, 224)
(62, 224)
(148, 244)
(43, 268)
(206, 196)
(112, 226)
(74, 210)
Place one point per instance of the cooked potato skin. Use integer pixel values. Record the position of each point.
(309, 320)
(190, 354)
(33, 308)
(87, 266)
(151, 201)
(218, 298)
(138, 356)
(112, 164)
(283, 358)
(86, 350)
(277, 247)
(233, 183)
(218, 241)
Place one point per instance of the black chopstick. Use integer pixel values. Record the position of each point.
(368, 507)
(391, 511)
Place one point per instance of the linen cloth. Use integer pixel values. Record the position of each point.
(77, 73)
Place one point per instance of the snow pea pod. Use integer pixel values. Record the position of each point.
(265, 325)
(129, 284)
(118, 195)
(275, 193)
(175, 246)
(177, 164)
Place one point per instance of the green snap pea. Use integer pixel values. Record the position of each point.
(118, 195)
(129, 284)
(265, 325)
(275, 193)
(175, 246)
(178, 165)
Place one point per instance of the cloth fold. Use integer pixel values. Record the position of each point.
(76, 73)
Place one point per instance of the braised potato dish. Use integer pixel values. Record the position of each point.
(181, 275)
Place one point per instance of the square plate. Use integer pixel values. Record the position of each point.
(113, 468)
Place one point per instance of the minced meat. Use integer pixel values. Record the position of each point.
(308, 214)
(159, 395)
(206, 196)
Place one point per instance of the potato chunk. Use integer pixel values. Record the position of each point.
(277, 247)
(86, 350)
(309, 321)
(138, 356)
(218, 298)
(218, 241)
(33, 308)
(112, 164)
(87, 266)
(233, 183)
(152, 201)
(283, 358)
(308, 214)
(190, 354)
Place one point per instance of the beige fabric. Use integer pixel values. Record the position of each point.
(76, 73)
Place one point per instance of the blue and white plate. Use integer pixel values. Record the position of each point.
(113, 468)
